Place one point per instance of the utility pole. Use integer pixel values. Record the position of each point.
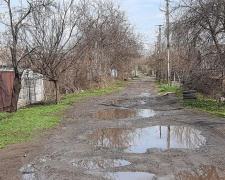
(168, 137)
(168, 41)
(159, 54)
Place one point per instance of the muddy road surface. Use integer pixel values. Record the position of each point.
(134, 134)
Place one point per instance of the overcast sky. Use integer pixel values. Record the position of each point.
(145, 15)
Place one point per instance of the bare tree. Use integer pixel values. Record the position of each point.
(14, 20)
(57, 35)
(198, 38)
(111, 44)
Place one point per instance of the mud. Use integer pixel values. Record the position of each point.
(99, 163)
(203, 172)
(174, 143)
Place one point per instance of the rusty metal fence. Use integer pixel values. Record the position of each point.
(6, 85)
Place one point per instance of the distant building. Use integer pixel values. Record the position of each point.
(114, 73)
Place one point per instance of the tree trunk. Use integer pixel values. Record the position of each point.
(15, 91)
(57, 93)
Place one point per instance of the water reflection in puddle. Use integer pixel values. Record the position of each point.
(110, 114)
(119, 101)
(202, 173)
(92, 164)
(28, 169)
(146, 113)
(145, 95)
(130, 176)
(141, 139)
(28, 176)
(125, 101)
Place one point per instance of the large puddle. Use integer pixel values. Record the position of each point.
(93, 164)
(145, 94)
(130, 176)
(204, 172)
(28, 171)
(141, 139)
(119, 101)
(110, 114)
(28, 176)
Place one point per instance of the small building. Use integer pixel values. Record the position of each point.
(32, 88)
(114, 73)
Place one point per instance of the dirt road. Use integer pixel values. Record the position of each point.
(134, 134)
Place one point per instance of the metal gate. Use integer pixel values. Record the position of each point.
(6, 85)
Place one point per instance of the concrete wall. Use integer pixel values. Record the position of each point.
(32, 89)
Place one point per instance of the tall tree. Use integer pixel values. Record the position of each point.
(14, 19)
(198, 36)
(57, 35)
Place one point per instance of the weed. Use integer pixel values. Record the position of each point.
(163, 87)
(166, 88)
(211, 106)
(202, 103)
(21, 125)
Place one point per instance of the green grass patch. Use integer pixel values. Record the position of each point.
(163, 87)
(24, 124)
(211, 106)
(202, 103)
(4, 115)
(111, 87)
(119, 84)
